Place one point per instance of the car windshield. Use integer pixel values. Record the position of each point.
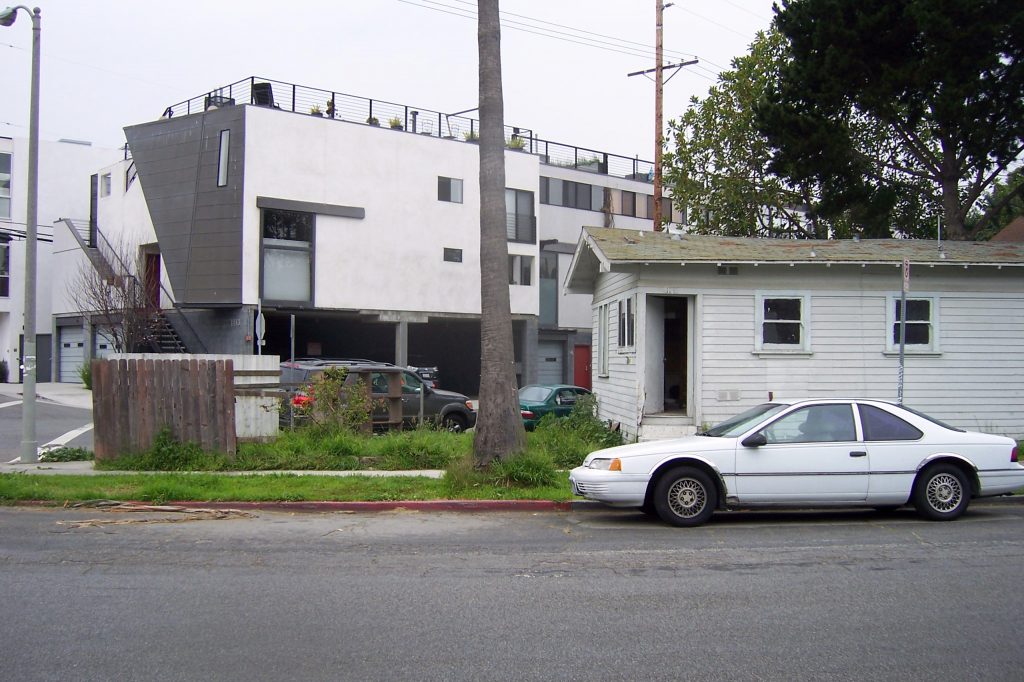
(734, 426)
(534, 393)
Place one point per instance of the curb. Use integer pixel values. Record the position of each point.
(383, 506)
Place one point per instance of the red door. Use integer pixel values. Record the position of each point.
(581, 366)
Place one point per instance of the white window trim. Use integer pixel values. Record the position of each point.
(801, 349)
(603, 338)
(629, 344)
(893, 347)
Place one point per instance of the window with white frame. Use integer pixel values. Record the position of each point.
(603, 313)
(782, 322)
(922, 323)
(5, 185)
(627, 322)
(223, 159)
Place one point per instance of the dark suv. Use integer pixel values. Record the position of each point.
(448, 409)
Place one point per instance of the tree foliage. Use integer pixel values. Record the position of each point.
(941, 81)
(721, 166)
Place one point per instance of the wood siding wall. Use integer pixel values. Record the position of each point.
(974, 381)
(133, 400)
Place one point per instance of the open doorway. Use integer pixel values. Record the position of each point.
(676, 335)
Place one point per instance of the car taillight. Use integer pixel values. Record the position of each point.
(1013, 455)
(526, 414)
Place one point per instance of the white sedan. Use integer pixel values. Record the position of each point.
(807, 453)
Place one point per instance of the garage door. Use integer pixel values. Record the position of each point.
(104, 344)
(72, 353)
(549, 362)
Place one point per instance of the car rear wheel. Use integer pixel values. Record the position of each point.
(453, 422)
(685, 497)
(942, 493)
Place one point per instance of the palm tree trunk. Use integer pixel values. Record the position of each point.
(499, 428)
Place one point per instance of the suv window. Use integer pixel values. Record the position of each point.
(881, 425)
(411, 383)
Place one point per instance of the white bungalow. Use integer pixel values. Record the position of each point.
(693, 329)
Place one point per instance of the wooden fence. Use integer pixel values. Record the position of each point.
(134, 399)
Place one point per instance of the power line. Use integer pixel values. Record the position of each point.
(576, 36)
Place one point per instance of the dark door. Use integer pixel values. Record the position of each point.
(675, 353)
(153, 279)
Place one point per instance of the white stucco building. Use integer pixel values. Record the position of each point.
(361, 221)
(64, 170)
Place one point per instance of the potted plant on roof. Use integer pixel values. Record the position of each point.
(395, 123)
(516, 142)
(372, 120)
(471, 136)
(315, 110)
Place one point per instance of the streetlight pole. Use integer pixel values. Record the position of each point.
(29, 444)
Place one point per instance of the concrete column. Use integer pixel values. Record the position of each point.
(402, 344)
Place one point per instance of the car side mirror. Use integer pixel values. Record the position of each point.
(755, 440)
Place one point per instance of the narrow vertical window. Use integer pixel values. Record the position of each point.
(627, 322)
(222, 160)
(5, 185)
(105, 185)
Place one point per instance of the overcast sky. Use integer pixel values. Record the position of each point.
(111, 63)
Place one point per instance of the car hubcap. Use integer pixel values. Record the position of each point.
(687, 497)
(944, 492)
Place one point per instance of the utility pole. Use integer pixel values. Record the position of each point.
(659, 87)
(659, 83)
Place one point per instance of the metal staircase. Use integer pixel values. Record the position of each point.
(160, 333)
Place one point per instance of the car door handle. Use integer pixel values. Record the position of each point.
(858, 453)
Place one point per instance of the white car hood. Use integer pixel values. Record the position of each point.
(672, 446)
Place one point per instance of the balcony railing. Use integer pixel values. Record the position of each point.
(337, 105)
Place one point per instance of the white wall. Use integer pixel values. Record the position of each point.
(565, 225)
(392, 259)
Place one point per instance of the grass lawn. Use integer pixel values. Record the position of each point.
(159, 488)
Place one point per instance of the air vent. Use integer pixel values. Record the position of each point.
(728, 270)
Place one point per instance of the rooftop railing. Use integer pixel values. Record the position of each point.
(336, 105)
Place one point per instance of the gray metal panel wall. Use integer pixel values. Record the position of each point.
(197, 223)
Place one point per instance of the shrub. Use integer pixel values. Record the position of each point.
(66, 454)
(333, 403)
(85, 374)
(568, 440)
(4, 372)
(523, 470)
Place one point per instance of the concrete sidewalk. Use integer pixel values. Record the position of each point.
(86, 469)
(69, 395)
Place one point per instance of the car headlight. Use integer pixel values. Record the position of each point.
(606, 464)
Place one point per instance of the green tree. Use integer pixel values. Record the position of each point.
(942, 79)
(720, 168)
(499, 427)
(999, 206)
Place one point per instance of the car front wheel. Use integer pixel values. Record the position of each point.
(454, 423)
(685, 497)
(942, 493)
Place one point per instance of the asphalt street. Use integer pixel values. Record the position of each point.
(609, 595)
(54, 421)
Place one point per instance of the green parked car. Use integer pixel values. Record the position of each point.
(541, 399)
